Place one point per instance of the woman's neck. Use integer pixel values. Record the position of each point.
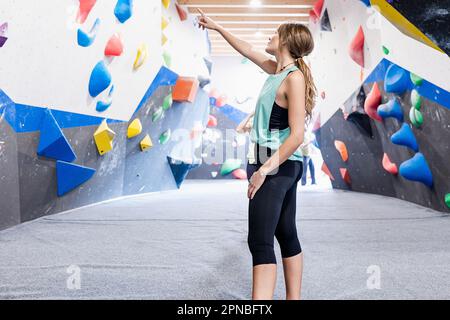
(284, 61)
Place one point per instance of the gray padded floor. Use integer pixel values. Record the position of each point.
(191, 244)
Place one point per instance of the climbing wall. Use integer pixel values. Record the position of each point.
(106, 104)
(383, 127)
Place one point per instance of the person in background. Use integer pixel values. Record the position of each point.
(245, 127)
(305, 149)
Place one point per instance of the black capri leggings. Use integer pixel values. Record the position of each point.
(271, 212)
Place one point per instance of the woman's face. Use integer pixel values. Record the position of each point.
(272, 45)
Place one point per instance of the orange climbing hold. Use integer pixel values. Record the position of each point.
(389, 166)
(185, 89)
(327, 171)
(181, 12)
(212, 121)
(356, 48)
(372, 102)
(345, 175)
(341, 147)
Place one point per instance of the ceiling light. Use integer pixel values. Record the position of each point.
(255, 3)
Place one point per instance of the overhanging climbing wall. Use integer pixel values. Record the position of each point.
(384, 127)
(90, 107)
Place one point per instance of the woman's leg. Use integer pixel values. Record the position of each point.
(305, 169)
(312, 171)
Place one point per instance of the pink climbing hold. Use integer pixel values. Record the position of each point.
(389, 166)
(181, 12)
(318, 8)
(114, 47)
(327, 171)
(212, 121)
(84, 9)
(356, 48)
(345, 175)
(372, 102)
(239, 174)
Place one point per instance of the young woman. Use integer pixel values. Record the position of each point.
(284, 105)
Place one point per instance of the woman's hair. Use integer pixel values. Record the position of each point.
(299, 42)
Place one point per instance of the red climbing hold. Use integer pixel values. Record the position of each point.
(212, 121)
(114, 47)
(342, 149)
(318, 7)
(84, 10)
(372, 102)
(327, 171)
(239, 174)
(345, 175)
(388, 165)
(181, 12)
(356, 49)
(313, 17)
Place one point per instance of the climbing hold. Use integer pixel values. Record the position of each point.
(323, 95)
(385, 50)
(100, 79)
(388, 165)
(342, 149)
(415, 79)
(239, 174)
(146, 143)
(123, 10)
(405, 137)
(165, 136)
(416, 99)
(185, 89)
(114, 47)
(417, 169)
(203, 81)
(85, 39)
(208, 64)
(356, 48)
(70, 176)
(372, 102)
(167, 102)
(313, 17)
(103, 105)
(52, 142)
(180, 169)
(3, 31)
(345, 175)
(103, 138)
(84, 9)
(447, 199)
(164, 23)
(157, 114)
(415, 116)
(318, 7)
(367, 2)
(167, 59)
(327, 171)
(325, 24)
(230, 165)
(391, 109)
(166, 3)
(163, 39)
(221, 101)
(134, 129)
(181, 12)
(397, 80)
(141, 56)
(212, 121)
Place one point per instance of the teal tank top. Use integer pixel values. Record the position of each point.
(260, 132)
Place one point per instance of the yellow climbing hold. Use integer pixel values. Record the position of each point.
(146, 143)
(166, 3)
(134, 128)
(141, 56)
(103, 138)
(163, 39)
(164, 23)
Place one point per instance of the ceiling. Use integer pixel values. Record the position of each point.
(253, 21)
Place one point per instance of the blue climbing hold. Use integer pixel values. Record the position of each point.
(52, 143)
(103, 105)
(405, 137)
(397, 80)
(366, 2)
(85, 39)
(391, 109)
(100, 79)
(71, 175)
(180, 169)
(417, 169)
(123, 10)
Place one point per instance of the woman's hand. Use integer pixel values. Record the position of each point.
(206, 22)
(256, 181)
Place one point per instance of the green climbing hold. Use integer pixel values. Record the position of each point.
(167, 59)
(157, 114)
(385, 50)
(167, 103)
(416, 117)
(244, 60)
(416, 99)
(447, 199)
(164, 137)
(229, 166)
(416, 79)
